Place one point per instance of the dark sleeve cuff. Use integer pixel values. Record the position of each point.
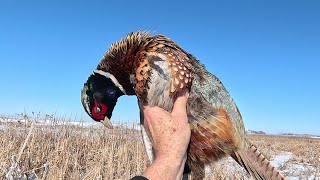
(139, 178)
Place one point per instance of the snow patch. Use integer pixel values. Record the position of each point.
(279, 160)
(315, 137)
(292, 170)
(300, 171)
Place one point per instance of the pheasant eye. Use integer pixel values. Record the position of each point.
(97, 110)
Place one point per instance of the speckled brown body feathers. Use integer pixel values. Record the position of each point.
(155, 68)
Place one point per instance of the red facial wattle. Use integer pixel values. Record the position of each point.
(103, 110)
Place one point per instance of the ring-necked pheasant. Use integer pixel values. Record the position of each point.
(155, 69)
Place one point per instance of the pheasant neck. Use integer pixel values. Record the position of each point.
(122, 59)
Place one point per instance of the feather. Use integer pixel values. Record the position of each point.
(256, 164)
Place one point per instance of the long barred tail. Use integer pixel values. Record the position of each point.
(256, 164)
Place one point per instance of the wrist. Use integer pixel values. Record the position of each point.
(166, 167)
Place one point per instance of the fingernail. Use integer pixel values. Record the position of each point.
(185, 92)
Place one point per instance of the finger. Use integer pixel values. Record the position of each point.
(180, 105)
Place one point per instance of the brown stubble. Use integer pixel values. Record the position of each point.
(306, 150)
(93, 152)
(74, 152)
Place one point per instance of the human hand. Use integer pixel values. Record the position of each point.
(170, 134)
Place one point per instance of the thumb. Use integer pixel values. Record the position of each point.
(180, 105)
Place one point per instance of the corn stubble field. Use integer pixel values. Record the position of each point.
(57, 149)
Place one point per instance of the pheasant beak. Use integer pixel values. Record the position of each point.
(106, 122)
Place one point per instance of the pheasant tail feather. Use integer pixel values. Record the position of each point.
(256, 164)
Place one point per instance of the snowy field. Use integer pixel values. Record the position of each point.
(296, 157)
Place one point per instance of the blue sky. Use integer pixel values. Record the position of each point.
(267, 53)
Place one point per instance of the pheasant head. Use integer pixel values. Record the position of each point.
(112, 78)
(99, 96)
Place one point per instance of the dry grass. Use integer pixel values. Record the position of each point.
(94, 152)
(305, 149)
(73, 151)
